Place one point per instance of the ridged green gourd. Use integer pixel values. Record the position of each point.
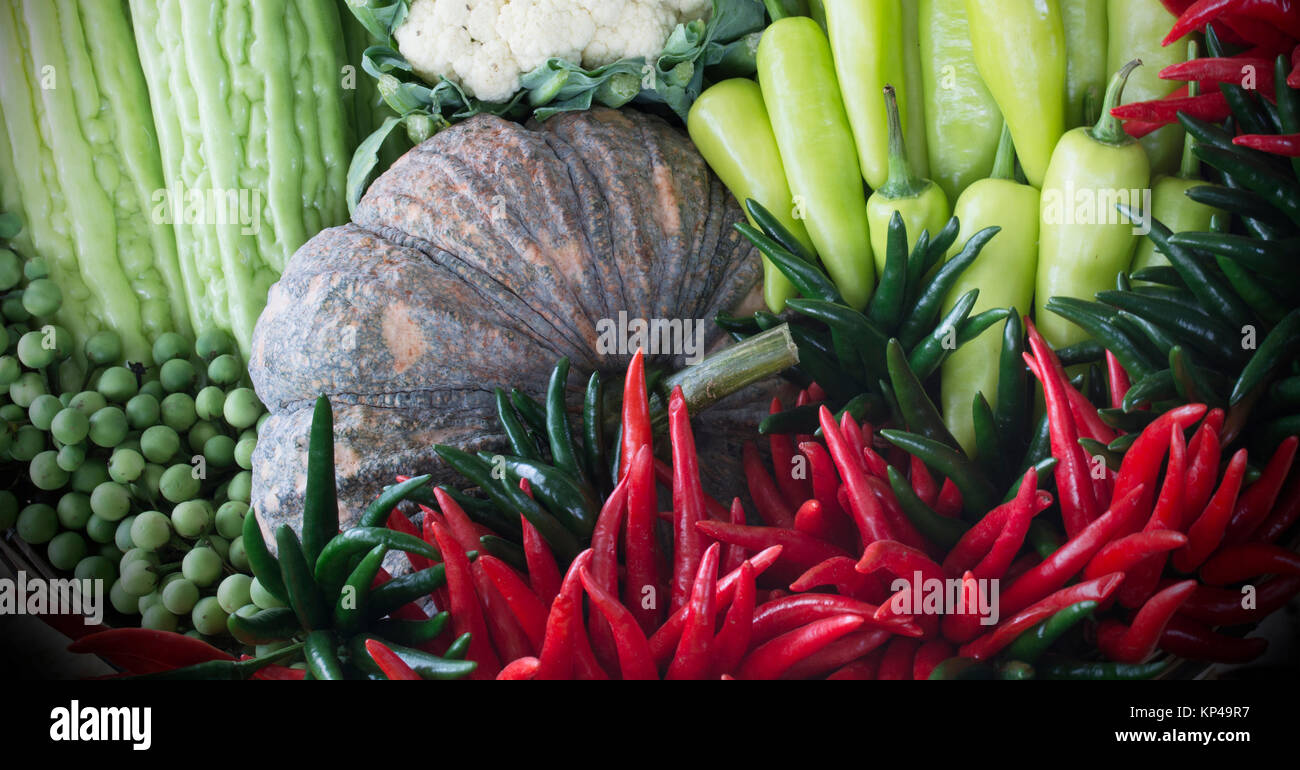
(76, 164)
(250, 108)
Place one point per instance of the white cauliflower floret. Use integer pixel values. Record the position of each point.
(487, 45)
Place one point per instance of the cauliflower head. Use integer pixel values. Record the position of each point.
(487, 45)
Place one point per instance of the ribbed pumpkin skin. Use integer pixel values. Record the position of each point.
(477, 260)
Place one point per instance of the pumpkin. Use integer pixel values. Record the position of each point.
(476, 261)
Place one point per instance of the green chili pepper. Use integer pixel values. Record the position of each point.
(1252, 292)
(919, 413)
(531, 411)
(458, 648)
(920, 202)
(1044, 539)
(729, 125)
(733, 324)
(320, 506)
(425, 664)
(1149, 389)
(1019, 48)
(484, 512)
(377, 512)
(559, 433)
(510, 497)
(1279, 189)
(1003, 274)
(963, 669)
(1084, 352)
(1096, 449)
(1040, 446)
(1248, 206)
(332, 567)
(1062, 668)
(1043, 467)
(265, 567)
(1031, 645)
(1080, 255)
(1151, 338)
(401, 591)
(940, 530)
(504, 550)
(887, 303)
(954, 330)
(799, 419)
(1194, 326)
(962, 118)
(1011, 412)
(350, 609)
(864, 406)
(987, 451)
(304, 595)
(776, 229)
(1278, 349)
(978, 495)
(412, 633)
(797, 76)
(807, 278)
(929, 304)
(1245, 109)
(322, 661)
(265, 626)
(1191, 382)
(866, 336)
(1122, 443)
(1095, 319)
(1272, 258)
(521, 441)
(593, 431)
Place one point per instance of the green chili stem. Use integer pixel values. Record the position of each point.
(1191, 165)
(1109, 129)
(775, 9)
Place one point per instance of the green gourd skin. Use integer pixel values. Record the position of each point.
(797, 77)
(1087, 69)
(1003, 273)
(920, 201)
(1136, 29)
(730, 127)
(962, 119)
(1084, 243)
(1019, 48)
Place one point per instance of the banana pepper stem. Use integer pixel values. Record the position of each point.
(902, 183)
(1004, 163)
(775, 9)
(1109, 129)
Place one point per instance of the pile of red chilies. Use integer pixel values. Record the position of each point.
(624, 609)
(1267, 27)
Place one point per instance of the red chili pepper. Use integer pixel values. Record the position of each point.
(825, 481)
(636, 414)
(762, 490)
(854, 646)
(1176, 7)
(585, 665)
(852, 433)
(1210, 107)
(734, 555)
(556, 655)
(664, 641)
(1189, 639)
(519, 598)
(929, 655)
(1069, 559)
(634, 658)
(771, 659)
(1143, 575)
(861, 670)
(688, 500)
(466, 611)
(810, 520)
(1086, 419)
(640, 554)
(777, 616)
(896, 662)
(1118, 380)
(694, 650)
(1073, 480)
(543, 572)
(411, 611)
(146, 651)
(922, 482)
(1257, 500)
(1235, 563)
(509, 638)
(1287, 145)
(457, 522)
(1206, 533)
(866, 511)
(1293, 80)
(949, 502)
(1138, 129)
(802, 398)
(904, 531)
(398, 522)
(1020, 566)
(1282, 14)
(604, 566)
(388, 661)
(1202, 473)
(1284, 515)
(975, 544)
(1123, 554)
(838, 572)
(794, 490)
(664, 476)
(990, 644)
(1135, 643)
(964, 624)
(1262, 35)
(874, 463)
(1142, 461)
(519, 670)
(1223, 606)
(1223, 69)
(898, 559)
(815, 393)
(995, 563)
(733, 638)
(800, 552)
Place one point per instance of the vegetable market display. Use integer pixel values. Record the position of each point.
(987, 354)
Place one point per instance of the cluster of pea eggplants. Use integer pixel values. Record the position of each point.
(138, 477)
(323, 605)
(1221, 323)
